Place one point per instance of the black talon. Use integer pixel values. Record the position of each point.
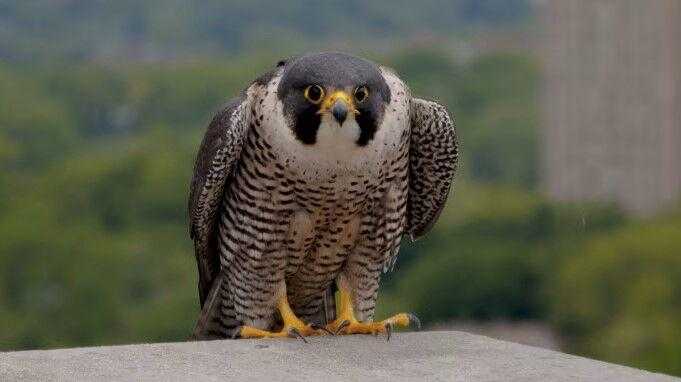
(296, 334)
(342, 326)
(237, 333)
(388, 331)
(415, 320)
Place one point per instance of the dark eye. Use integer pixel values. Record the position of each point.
(361, 93)
(314, 93)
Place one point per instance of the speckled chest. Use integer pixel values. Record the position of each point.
(311, 219)
(319, 213)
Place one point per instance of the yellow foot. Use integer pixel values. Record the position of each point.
(350, 325)
(346, 323)
(289, 331)
(293, 326)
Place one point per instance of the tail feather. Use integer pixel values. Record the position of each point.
(217, 317)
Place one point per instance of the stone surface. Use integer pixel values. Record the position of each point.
(433, 356)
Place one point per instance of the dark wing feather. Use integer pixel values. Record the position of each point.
(433, 158)
(219, 152)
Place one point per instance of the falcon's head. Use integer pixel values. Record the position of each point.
(334, 95)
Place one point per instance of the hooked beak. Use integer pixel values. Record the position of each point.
(339, 111)
(339, 103)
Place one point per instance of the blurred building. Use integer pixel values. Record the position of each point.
(612, 101)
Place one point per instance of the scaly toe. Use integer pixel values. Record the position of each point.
(344, 324)
(321, 330)
(386, 326)
(348, 327)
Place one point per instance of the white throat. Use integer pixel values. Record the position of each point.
(338, 142)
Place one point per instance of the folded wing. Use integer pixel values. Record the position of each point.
(433, 159)
(215, 163)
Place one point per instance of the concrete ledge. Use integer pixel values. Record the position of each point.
(450, 356)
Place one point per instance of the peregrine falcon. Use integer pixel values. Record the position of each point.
(303, 187)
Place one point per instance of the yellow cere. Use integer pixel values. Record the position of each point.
(338, 94)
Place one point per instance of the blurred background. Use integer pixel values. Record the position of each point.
(563, 230)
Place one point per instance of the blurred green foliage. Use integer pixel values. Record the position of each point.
(483, 262)
(619, 299)
(95, 163)
(35, 127)
(95, 250)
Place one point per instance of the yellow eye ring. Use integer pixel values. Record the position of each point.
(361, 94)
(314, 94)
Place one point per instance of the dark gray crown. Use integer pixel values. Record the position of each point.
(331, 69)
